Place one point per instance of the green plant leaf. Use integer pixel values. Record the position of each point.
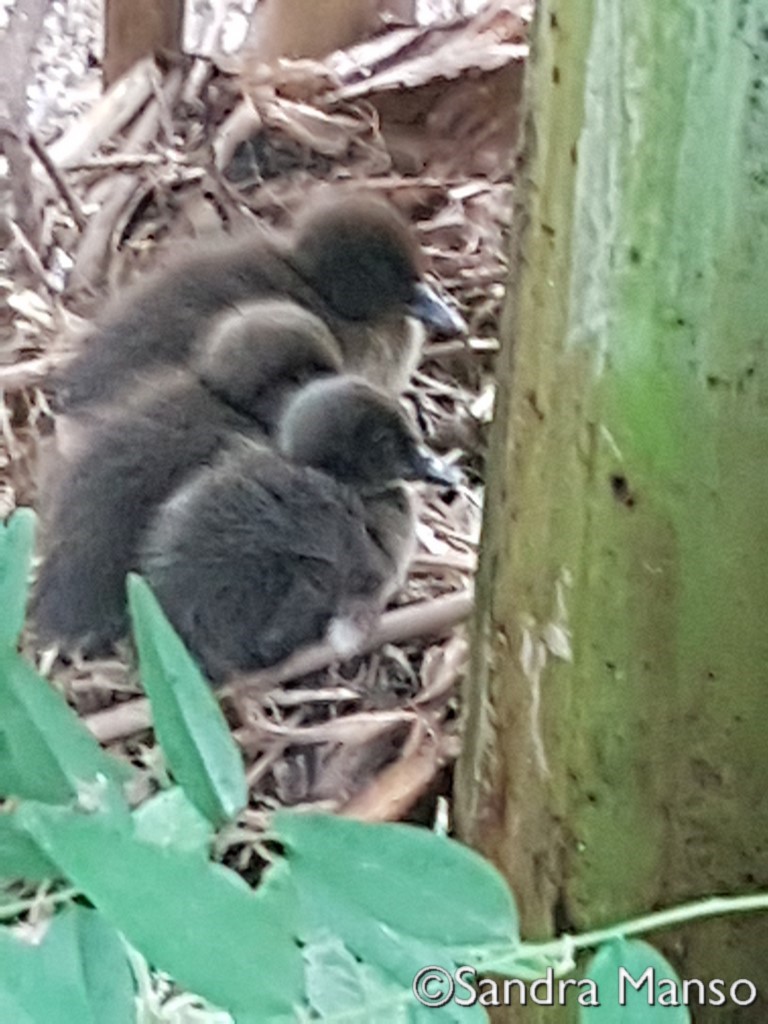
(195, 920)
(395, 956)
(20, 856)
(417, 883)
(341, 987)
(400, 898)
(338, 983)
(17, 539)
(46, 753)
(79, 972)
(169, 819)
(189, 724)
(623, 1003)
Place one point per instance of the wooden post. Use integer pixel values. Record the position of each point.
(139, 28)
(615, 754)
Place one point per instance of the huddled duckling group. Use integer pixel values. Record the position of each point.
(232, 431)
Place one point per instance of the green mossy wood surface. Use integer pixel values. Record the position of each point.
(616, 748)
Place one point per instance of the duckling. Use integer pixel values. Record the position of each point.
(272, 549)
(131, 460)
(353, 262)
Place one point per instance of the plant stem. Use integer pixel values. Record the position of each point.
(713, 907)
(11, 910)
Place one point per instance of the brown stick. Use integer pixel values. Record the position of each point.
(428, 618)
(106, 119)
(31, 254)
(16, 46)
(60, 183)
(428, 749)
(114, 193)
(27, 374)
(397, 788)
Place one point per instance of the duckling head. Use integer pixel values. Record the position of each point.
(357, 434)
(256, 356)
(363, 259)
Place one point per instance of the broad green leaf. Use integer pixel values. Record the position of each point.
(10, 1008)
(169, 819)
(423, 885)
(17, 538)
(337, 982)
(342, 987)
(400, 898)
(636, 985)
(20, 856)
(394, 955)
(46, 753)
(79, 972)
(189, 724)
(195, 920)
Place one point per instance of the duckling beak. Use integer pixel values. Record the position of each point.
(427, 466)
(427, 306)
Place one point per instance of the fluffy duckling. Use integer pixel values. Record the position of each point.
(353, 262)
(274, 549)
(133, 459)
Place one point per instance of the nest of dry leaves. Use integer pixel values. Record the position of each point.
(204, 147)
